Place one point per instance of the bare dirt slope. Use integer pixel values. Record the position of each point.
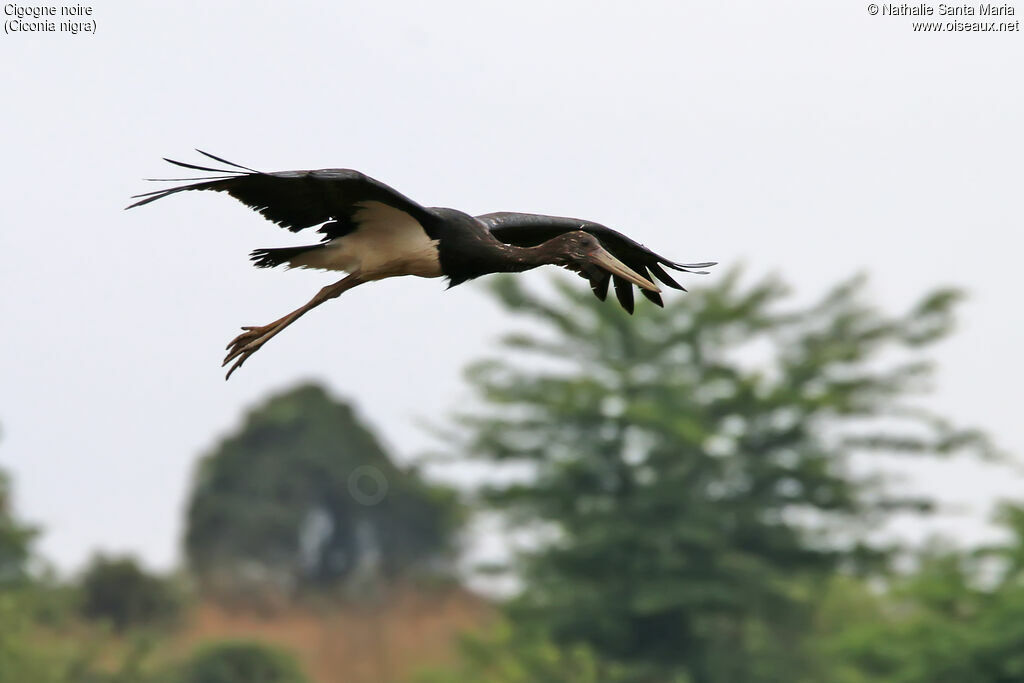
(380, 641)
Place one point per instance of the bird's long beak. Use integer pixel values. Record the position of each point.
(614, 266)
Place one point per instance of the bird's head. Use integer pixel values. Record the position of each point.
(582, 252)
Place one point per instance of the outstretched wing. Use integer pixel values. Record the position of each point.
(295, 200)
(529, 230)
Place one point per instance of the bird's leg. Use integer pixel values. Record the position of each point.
(250, 341)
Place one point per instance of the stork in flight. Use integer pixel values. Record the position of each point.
(372, 232)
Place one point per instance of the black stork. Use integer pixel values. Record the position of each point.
(372, 232)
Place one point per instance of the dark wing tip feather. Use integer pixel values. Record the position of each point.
(294, 200)
(225, 161)
(181, 180)
(665, 278)
(654, 297)
(196, 167)
(196, 183)
(147, 197)
(147, 194)
(600, 286)
(689, 267)
(624, 293)
(201, 182)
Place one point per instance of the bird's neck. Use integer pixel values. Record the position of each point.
(518, 259)
(496, 258)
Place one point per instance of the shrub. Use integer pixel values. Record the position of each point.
(241, 662)
(119, 591)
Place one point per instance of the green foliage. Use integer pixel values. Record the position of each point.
(304, 495)
(118, 591)
(15, 540)
(40, 643)
(507, 655)
(20, 658)
(958, 618)
(240, 662)
(690, 467)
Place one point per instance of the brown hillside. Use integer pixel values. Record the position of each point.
(351, 643)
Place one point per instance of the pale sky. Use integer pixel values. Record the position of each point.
(802, 137)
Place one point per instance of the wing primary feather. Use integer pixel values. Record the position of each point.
(294, 200)
(201, 168)
(160, 194)
(225, 161)
(149, 194)
(600, 286)
(624, 293)
(168, 190)
(654, 297)
(149, 197)
(687, 267)
(180, 180)
(660, 273)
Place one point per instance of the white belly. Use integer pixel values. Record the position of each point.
(386, 243)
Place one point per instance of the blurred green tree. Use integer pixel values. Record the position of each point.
(41, 651)
(36, 643)
(239, 662)
(117, 590)
(304, 495)
(15, 539)
(685, 474)
(22, 657)
(957, 618)
(509, 655)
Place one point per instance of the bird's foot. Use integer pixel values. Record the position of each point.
(246, 344)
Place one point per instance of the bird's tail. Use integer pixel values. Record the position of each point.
(268, 258)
